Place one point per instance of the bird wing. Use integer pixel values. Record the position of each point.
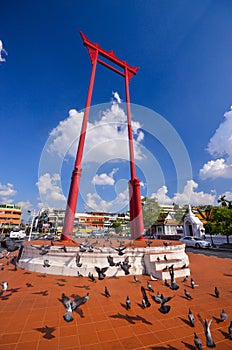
(104, 269)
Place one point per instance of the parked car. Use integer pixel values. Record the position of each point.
(18, 234)
(196, 242)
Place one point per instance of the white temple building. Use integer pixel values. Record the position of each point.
(193, 225)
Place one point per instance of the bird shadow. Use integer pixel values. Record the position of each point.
(14, 290)
(79, 312)
(61, 279)
(170, 347)
(217, 319)
(5, 296)
(29, 285)
(188, 346)
(27, 273)
(42, 276)
(83, 287)
(131, 319)
(225, 334)
(47, 332)
(140, 305)
(212, 295)
(227, 275)
(44, 293)
(185, 321)
(123, 305)
(60, 284)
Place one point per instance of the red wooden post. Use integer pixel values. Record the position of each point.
(136, 217)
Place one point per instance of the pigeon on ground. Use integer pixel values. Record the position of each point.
(223, 315)
(164, 308)
(166, 284)
(191, 318)
(187, 294)
(158, 259)
(192, 283)
(165, 268)
(128, 303)
(136, 279)
(78, 258)
(4, 286)
(145, 302)
(185, 279)
(197, 341)
(149, 287)
(63, 248)
(44, 249)
(166, 244)
(91, 276)
(230, 330)
(110, 260)
(157, 298)
(101, 272)
(107, 293)
(183, 266)
(216, 292)
(174, 285)
(165, 257)
(79, 274)
(120, 250)
(206, 324)
(82, 248)
(46, 263)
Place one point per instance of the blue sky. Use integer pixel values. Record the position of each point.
(181, 101)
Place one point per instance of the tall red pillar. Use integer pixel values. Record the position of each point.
(136, 217)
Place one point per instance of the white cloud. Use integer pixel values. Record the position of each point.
(116, 97)
(25, 205)
(7, 192)
(216, 168)
(105, 179)
(188, 196)
(3, 52)
(220, 145)
(95, 202)
(50, 189)
(106, 138)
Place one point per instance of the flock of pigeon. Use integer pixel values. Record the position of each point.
(147, 293)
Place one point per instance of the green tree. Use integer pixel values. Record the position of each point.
(151, 211)
(222, 221)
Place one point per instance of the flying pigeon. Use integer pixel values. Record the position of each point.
(206, 324)
(125, 266)
(78, 258)
(128, 303)
(110, 260)
(101, 272)
(216, 292)
(187, 294)
(145, 302)
(223, 315)
(91, 276)
(44, 249)
(197, 341)
(191, 318)
(120, 250)
(68, 306)
(185, 279)
(107, 293)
